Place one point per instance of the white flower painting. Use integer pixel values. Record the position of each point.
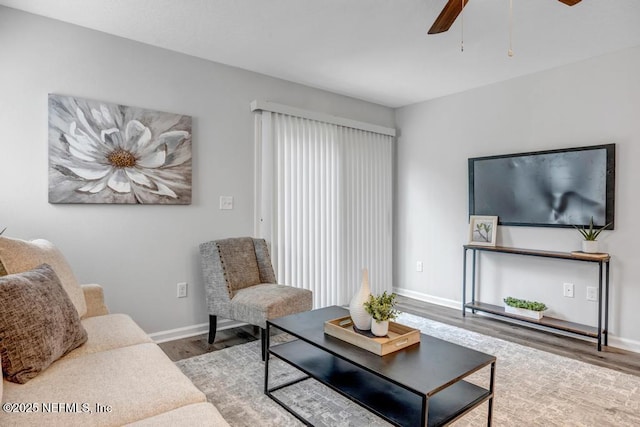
(108, 153)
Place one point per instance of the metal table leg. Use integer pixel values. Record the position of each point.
(606, 306)
(266, 360)
(464, 280)
(473, 282)
(491, 384)
(600, 306)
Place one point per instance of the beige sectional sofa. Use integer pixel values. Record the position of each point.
(117, 377)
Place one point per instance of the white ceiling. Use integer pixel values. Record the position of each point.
(376, 50)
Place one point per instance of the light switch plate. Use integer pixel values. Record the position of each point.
(182, 290)
(226, 202)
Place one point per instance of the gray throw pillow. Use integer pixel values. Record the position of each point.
(38, 323)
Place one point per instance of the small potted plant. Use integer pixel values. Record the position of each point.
(382, 310)
(590, 244)
(521, 307)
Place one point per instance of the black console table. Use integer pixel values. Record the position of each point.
(599, 333)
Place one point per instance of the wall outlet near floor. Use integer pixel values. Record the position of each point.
(567, 290)
(419, 266)
(182, 289)
(592, 293)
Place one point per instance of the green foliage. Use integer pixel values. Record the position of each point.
(484, 231)
(381, 307)
(591, 233)
(521, 303)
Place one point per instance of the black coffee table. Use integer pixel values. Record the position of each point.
(421, 385)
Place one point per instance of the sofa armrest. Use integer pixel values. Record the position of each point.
(94, 296)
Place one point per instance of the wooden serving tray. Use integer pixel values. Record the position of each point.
(399, 336)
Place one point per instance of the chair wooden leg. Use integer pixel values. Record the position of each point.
(213, 324)
(263, 339)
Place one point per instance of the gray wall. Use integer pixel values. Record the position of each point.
(587, 103)
(138, 253)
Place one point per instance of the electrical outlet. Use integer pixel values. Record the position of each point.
(182, 290)
(419, 266)
(592, 293)
(568, 290)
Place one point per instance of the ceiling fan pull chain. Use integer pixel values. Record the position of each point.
(462, 26)
(510, 52)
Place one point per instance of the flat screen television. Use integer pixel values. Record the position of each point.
(554, 188)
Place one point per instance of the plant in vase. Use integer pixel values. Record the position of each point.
(381, 308)
(590, 243)
(521, 307)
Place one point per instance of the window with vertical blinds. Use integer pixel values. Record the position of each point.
(324, 202)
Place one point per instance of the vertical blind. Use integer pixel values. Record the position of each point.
(324, 194)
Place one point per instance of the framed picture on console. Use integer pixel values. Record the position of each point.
(483, 230)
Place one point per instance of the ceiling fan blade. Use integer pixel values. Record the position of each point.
(447, 17)
(570, 2)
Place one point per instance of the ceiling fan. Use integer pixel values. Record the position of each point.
(453, 8)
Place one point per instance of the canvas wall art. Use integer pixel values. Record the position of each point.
(107, 153)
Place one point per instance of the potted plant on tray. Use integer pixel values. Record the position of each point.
(382, 310)
(590, 244)
(521, 307)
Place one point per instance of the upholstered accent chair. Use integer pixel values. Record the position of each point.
(241, 285)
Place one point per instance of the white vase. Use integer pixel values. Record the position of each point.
(379, 328)
(361, 319)
(590, 246)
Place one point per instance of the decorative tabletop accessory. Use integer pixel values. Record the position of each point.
(382, 309)
(398, 337)
(521, 307)
(590, 243)
(361, 319)
(483, 230)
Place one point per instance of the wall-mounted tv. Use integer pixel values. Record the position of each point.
(555, 188)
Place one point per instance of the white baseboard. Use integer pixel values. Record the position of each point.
(625, 344)
(428, 298)
(192, 331)
(614, 341)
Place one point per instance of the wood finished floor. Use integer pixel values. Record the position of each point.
(195, 346)
(610, 357)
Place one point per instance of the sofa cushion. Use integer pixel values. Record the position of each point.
(18, 256)
(109, 332)
(238, 258)
(197, 414)
(136, 382)
(38, 323)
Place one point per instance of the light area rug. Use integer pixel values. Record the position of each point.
(533, 387)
